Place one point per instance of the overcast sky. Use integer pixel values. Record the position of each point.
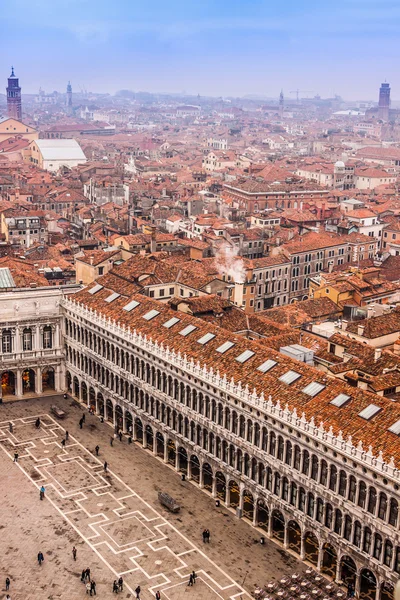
(210, 47)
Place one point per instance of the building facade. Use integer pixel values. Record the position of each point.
(331, 502)
(32, 354)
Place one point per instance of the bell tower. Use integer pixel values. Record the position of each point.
(69, 98)
(14, 106)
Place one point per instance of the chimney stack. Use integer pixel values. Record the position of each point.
(377, 354)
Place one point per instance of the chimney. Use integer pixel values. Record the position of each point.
(91, 260)
(396, 348)
(239, 288)
(377, 354)
(360, 330)
(344, 324)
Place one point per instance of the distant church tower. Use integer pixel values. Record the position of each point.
(14, 106)
(384, 102)
(69, 98)
(281, 104)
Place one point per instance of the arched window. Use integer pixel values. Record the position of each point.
(27, 339)
(285, 489)
(372, 500)
(357, 534)
(342, 484)
(288, 456)
(382, 506)
(388, 554)
(314, 467)
(393, 513)
(280, 448)
(367, 540)
(269, 479)
(306, 462)
(297, 458)
(362, 494)
(320, 510)
(377, 546)
(396, 566)
(347, 528)
(272, 443)
(302, 500)
(352, 488)
(277, 486)
(333, 478)
(324, 473)
(293, 494)
(328, 516)
(47, 337)
(338, 521)
(310, 505)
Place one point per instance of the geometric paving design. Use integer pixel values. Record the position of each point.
(130, 537)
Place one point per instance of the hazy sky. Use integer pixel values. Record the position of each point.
(211, 47)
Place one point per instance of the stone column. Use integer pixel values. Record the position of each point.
(165, 450)
(134, 430)
(17, 341)
(201, 479)
(37, 345)
(320, 558)
(302, 547)
(189, 469)
(38, 382)
(123, 421)
(56, 340)
(214, 487)
(337, 576)
(270, 523)
(155, 443)
(144, 443)
(227, 494)
(357, 585)
(18, 382)
(177, 460)
(286, 536)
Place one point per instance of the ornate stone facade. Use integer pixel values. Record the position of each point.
(332, 503)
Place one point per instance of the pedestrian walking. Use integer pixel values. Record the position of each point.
(97, 450)
(130, 439)
(105, 467)
(93, 588)
(80, 423)
(120, 584)
(137, 591)
(7, 583)
(194, 576)
(37, 423)
(40, 558)
(115, 587)
(83, 575)
(74, 552)
(67, 435)
(10, 427)
(15, 456)
(190, 579)
(88, 587)
(63, 443)
(120, 435)
(204, 536)
(87, 574)
(207, 536)
(111, 441)
(8, 597)
(158, 596)
(42, 492)
(83, 418)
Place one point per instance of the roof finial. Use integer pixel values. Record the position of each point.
(12, 72)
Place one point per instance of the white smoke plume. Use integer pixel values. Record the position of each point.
(230, 264)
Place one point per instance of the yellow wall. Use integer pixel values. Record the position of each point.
(12, 127)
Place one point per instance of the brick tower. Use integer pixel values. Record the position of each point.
(14, 106)
(69, 98)
(384, 102)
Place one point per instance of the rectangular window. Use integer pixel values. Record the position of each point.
(27, 340)
(162, 293)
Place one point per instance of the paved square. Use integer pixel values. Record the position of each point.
(127, 532)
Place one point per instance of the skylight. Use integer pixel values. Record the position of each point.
(96, 289)
(289, 377)
(242, 358)
(225, 346)
(171, 322)
(133, 304)
(369, 412)
(313, 388)
(187, 330)
(112, 297)
(151, 314)
(395, 428)
(267, 365)
(340, 400)
(206, 338)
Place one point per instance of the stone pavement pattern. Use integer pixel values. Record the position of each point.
(131, 538)
(27, 525)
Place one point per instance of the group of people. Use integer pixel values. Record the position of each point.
(192, 578)
(206, 536)
(85, 578)
(118, 586)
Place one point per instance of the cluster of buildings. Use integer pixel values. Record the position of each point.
(224, 278)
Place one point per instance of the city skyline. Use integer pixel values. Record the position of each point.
(212, 49)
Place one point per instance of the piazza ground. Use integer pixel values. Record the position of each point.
(99, 515)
